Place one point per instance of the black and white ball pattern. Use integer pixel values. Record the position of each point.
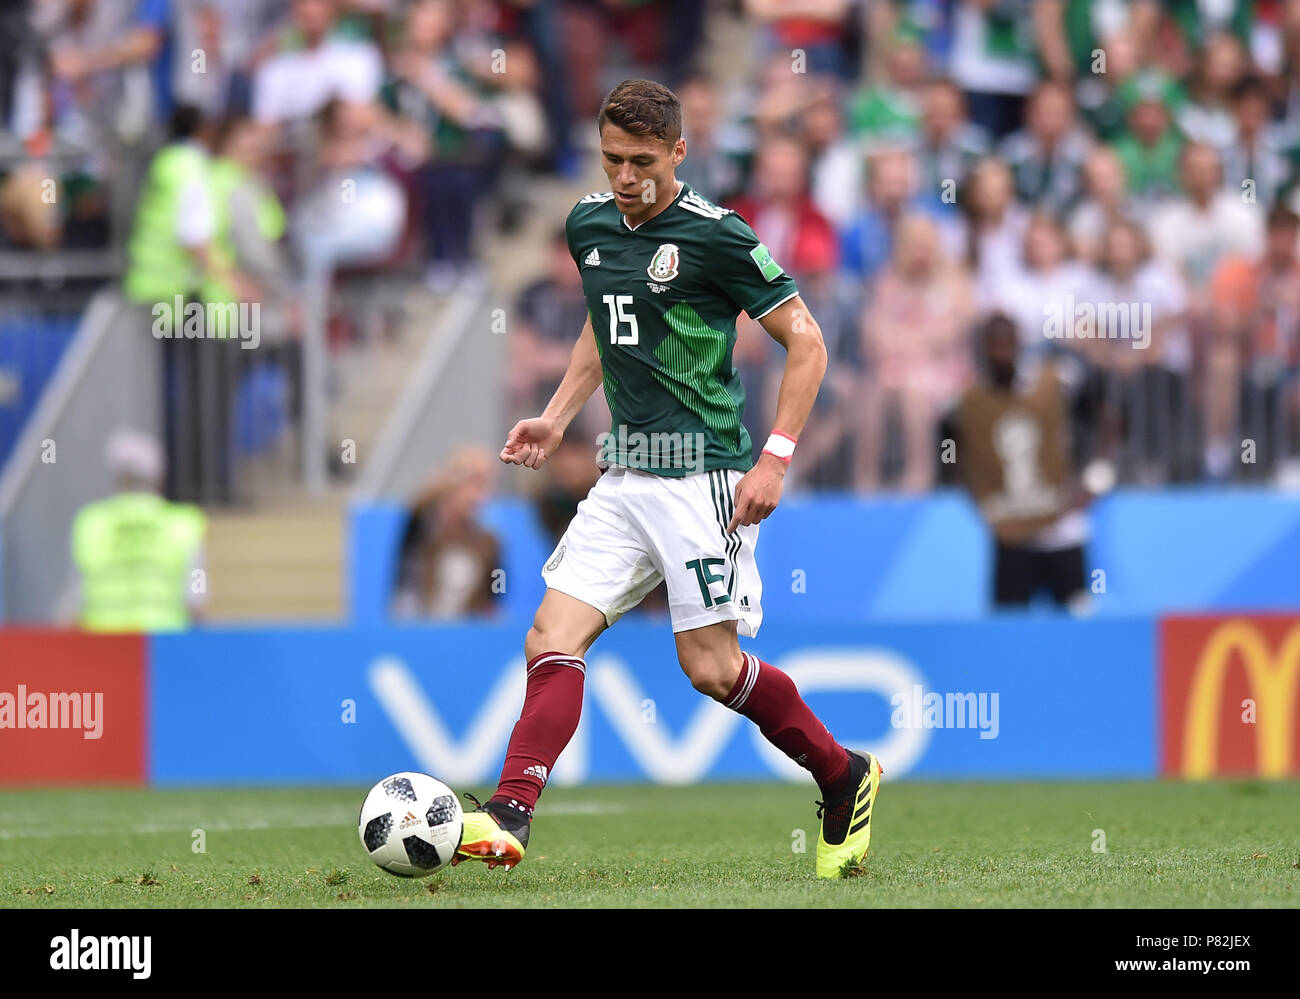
(411, 824)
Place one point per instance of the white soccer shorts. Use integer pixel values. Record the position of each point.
(636, 528)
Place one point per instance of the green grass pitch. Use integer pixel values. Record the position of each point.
(1167, 844)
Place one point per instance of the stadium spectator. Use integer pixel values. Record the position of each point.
(1105, 200)
(140, 557)
(993, 60)
(1198, 24)
(1142, 349)
(782, 213)
(28, 218)
(318, 60)
(1254, 162)
(1047, 155)
(649, 32)
(1208, 116)
(215, 45)
(246, 260)
(1150, 144)
(101, 59)
(816, 28)
(775, 107)
(949, 144)
(354, 212)
(15, 35)
(1207, 222)
(1041, 286)
(837, 169)
(890, 110)
(913, 334)
(1014, 459)
(710, 166)
(867, 242)
(450, 563)
(537, 25)
(995, 223)
(1254, 352)
(1100, 96)
(432, 85)
(248, 264)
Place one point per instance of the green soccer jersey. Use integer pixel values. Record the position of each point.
(663, 299)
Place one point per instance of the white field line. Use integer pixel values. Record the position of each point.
(317, 820)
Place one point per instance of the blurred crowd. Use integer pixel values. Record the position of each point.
(1119, 178)
(433, 102)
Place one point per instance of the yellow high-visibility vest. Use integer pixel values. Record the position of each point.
(135, 552)
(158, 267)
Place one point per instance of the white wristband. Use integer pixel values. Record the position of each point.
(780, 445)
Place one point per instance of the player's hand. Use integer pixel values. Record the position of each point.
(758, 492)
(531, 442)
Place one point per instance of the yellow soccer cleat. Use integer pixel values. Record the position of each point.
(495, 833)
(846, 822)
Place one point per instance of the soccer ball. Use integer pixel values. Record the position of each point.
(411, 824)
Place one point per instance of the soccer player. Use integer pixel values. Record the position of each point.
(665, 274)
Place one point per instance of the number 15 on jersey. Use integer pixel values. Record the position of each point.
(617, 317)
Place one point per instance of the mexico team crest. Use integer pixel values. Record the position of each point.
(663, 265)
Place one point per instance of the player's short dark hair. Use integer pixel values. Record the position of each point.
(643, 107)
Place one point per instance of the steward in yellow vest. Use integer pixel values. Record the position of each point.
(173, 218)
(137, 552)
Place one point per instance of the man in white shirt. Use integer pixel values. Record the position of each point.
(296, 83)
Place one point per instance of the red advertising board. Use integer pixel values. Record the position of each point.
(1230, 695)
(72, 708)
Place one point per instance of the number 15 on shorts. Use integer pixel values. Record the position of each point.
(706, 578)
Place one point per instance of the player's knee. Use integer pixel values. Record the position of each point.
(545, 636)
(710, 677)
(538, 640)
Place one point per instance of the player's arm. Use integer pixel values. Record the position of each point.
(532, 441)
(793, 327)
(580, 380)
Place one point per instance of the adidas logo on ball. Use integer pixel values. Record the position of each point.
(410, 819)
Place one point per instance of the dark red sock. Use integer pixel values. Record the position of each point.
(769, 699)
(552, 707)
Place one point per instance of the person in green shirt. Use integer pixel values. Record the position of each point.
(892, 107)
(1151, 143)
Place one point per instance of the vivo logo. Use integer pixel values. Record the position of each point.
(665, 757)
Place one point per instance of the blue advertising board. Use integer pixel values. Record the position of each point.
(1016, 697)
(828, 557)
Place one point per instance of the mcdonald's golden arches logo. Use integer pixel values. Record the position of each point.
(1230, 695)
